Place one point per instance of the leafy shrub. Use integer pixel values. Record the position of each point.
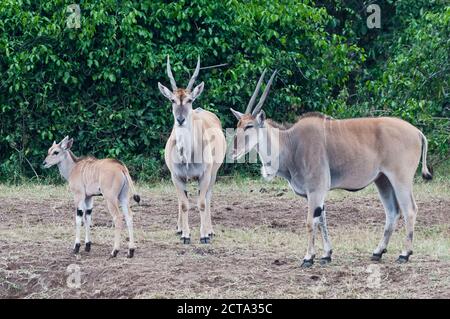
(98, 83)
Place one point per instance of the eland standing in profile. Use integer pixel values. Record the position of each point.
(89, 177)
(195, 150)
(317, 154)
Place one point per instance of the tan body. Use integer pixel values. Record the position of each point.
(212, 144)
(317, 154)
(89, 177)
(195, 150)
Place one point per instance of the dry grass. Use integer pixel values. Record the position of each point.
(256, 254)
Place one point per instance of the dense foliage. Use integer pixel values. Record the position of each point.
(97, 83)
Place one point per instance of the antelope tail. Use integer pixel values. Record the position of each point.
(426, 174)
(136, 197)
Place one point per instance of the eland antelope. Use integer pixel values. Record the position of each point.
(317, 154)
(89, 177)
(195, 150)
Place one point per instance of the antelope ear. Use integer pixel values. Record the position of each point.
(260, 118)
(165, 91)
(198, 90)
(237, 114)
(66, 144)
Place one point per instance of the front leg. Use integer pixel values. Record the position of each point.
(89, 204)
(205, 228)
(80, 208)
(315, 206)
(183, 209)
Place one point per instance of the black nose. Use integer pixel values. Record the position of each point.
(180, 120)
(44, 163)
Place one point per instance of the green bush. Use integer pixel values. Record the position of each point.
(98, 83)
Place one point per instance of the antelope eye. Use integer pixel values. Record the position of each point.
(55, 153)
(189, 101)
(247, 127)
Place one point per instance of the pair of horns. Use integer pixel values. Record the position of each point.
(263, 96)
(191, 81)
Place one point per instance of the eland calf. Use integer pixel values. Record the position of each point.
(317, 154)
(195, 150)
(89, 177)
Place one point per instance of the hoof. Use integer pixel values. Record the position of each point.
(325, 260)
(205, 240)
(87, 248)
(307, 263)
(185, 240)
(114, 253)
(76, 249)
(178, 233)
(377, 257)
(130, 253)
(403, 259)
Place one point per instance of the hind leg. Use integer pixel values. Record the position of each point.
(403, 192)
(209, 226)
(128, 214)
(391, 208)
(113, 207)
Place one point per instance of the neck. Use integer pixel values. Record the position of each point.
(271, 150)
(184, 139)
(66, 165)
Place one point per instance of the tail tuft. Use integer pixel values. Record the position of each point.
(137, 198)
(428, 174)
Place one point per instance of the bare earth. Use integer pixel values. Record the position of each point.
(256, 254)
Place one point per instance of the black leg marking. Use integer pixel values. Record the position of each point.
(186, 193)
(178, 233)
(79, 212)
(130, 253)
(317, 212)
(185, 240)
(404, 259)
(114, 253)
(88, 211)
(377, 257)
(327, 259)
(205, 240)
(307, 262)
(76, 249)
(88, 247)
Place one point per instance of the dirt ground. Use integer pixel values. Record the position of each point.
(259, 245)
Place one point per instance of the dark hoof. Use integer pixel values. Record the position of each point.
(205, 240)
(87, 248)
(185, 240)
(325, 260)
(114, 253)
(130, 253)
(76, 249)
(307, 263)
(403, 259)
(178, 233)
(377, 257)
